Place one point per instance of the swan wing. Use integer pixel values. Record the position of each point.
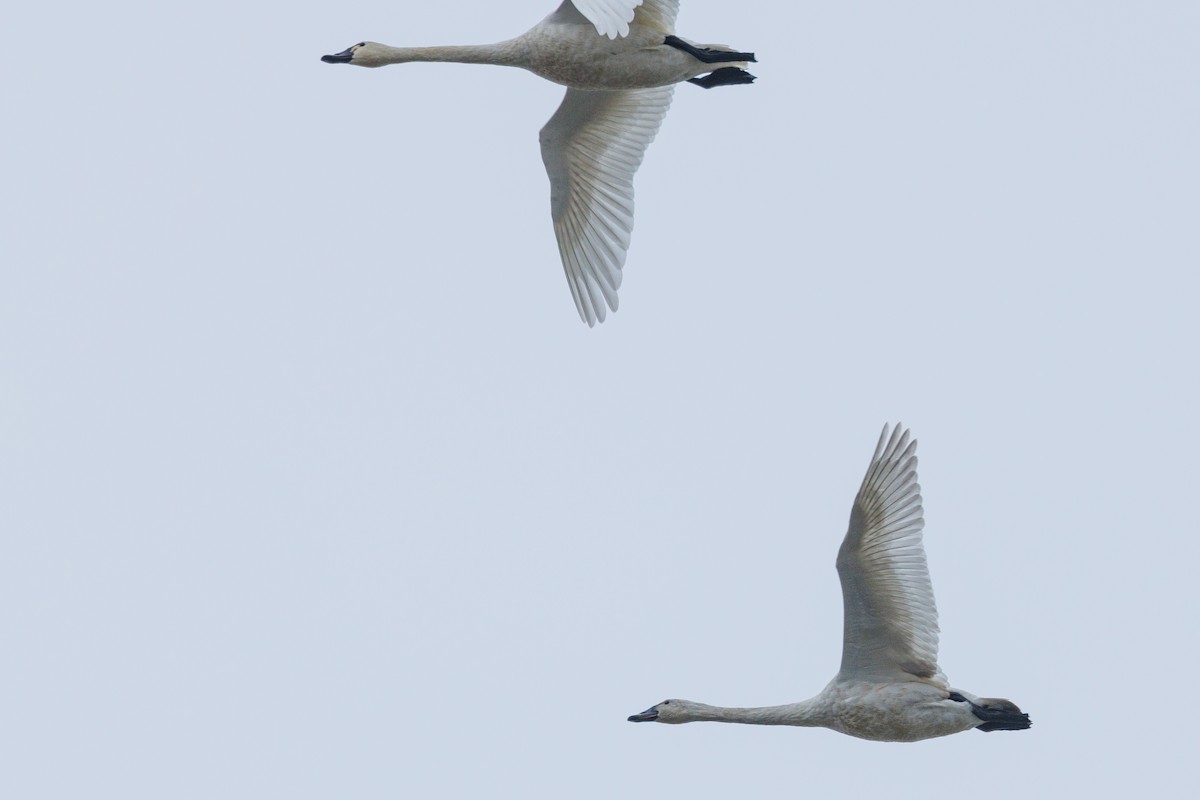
(592, 147)
(890, 616)
(612, 17)
(658, 14)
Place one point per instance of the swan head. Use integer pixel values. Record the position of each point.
(363, 54)
(671, 712)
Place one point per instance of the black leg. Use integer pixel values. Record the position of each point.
(705, 54)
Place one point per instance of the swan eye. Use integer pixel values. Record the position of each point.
(666, 702)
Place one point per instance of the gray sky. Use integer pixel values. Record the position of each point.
(312, 484)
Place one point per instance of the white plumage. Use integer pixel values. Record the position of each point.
(612, 17)
(592, 147)
(890, 620)
(889, 687)
(620, 61)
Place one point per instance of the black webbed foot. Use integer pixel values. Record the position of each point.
(726, 76)
(705, 54)
(997, 714)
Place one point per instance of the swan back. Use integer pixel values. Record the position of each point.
(890, 625)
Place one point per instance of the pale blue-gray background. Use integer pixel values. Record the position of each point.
(313, 485)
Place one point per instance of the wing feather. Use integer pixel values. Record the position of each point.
(592, 147)
(612, 17)
(890, 616)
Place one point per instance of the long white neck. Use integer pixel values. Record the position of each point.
(808, 713)
(505, 54)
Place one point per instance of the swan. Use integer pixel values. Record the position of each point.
(889, 687)
(620, 61)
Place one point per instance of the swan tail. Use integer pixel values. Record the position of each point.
(999, 715)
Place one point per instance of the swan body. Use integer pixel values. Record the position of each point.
(889, 687)
(620, 61)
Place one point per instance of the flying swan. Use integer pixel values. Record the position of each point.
(619, 60)
(889, 687)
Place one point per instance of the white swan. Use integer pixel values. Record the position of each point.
(889, 687)
(619, 60)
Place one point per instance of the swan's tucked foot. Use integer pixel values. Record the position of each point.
(997, 714)
(705, 54)
(726, 76)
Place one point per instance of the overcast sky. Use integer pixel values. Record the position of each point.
(313, 485)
